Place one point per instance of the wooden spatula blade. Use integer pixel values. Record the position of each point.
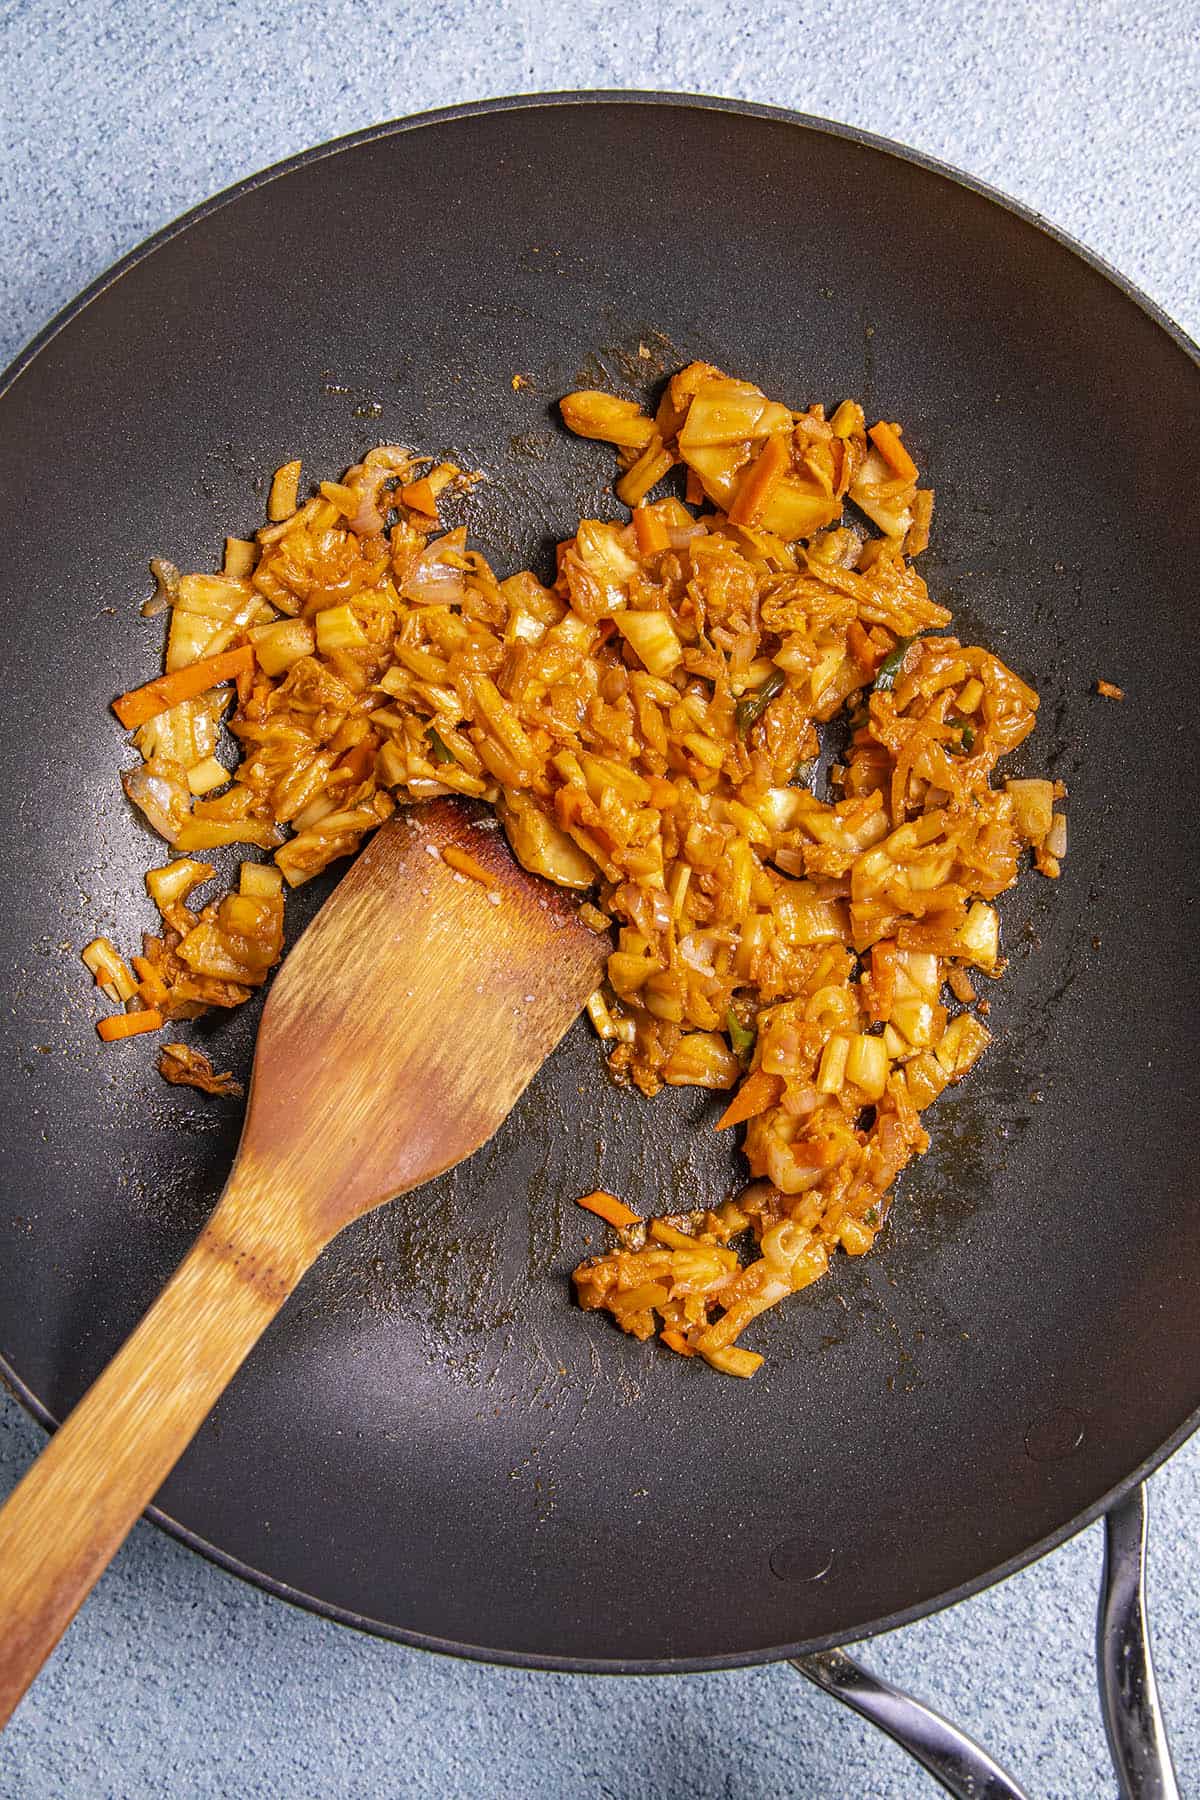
(396, 1038)
(412, 1013)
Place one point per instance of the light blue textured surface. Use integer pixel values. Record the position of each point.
(177, 1680)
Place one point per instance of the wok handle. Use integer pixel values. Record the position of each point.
(1133, 1720)
(951, 1757)
(67, 1517)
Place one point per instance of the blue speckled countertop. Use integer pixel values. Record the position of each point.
(114, 117)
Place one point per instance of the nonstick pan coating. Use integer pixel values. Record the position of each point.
(431, 1441)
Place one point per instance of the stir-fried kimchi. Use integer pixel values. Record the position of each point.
(737, 723)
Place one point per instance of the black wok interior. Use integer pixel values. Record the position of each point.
(432, 1440)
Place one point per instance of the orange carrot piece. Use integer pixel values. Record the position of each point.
(675, 1340)
(756, 1094)
(886, 439)
(123, 1025)
(1108, 690)
(650, 532)
(420, 496)
(614, 1212)
(465, 863)
(761, 479)
(134, 708)
(151, 986)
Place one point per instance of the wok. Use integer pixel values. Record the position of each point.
(432, 1443)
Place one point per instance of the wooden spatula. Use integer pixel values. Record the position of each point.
(395, 1039)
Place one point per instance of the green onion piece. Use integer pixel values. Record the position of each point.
(860, 718)
(871, 1216)
(751, 707)
(968, 732)
(740, 1036)
(802, 774)
(889, 668)
(437, 749)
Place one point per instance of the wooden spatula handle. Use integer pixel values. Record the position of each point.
(71, 1512)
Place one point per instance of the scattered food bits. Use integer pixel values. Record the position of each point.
(649, 726)
(466, 864)
(183, 1066)
(1108, 690)
(606, 1206)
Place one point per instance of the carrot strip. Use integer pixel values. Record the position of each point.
(139, 704)
(123, 1025)
(614, 1212)
(650, 532)
(886, 439)
(151, 986)
(675, 1340)
(761, 479)
(465, 863)
(756, 1094)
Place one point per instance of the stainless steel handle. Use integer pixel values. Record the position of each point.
(951, 1757)
(1137, 1738)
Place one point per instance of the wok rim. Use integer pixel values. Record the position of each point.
(634, 97)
